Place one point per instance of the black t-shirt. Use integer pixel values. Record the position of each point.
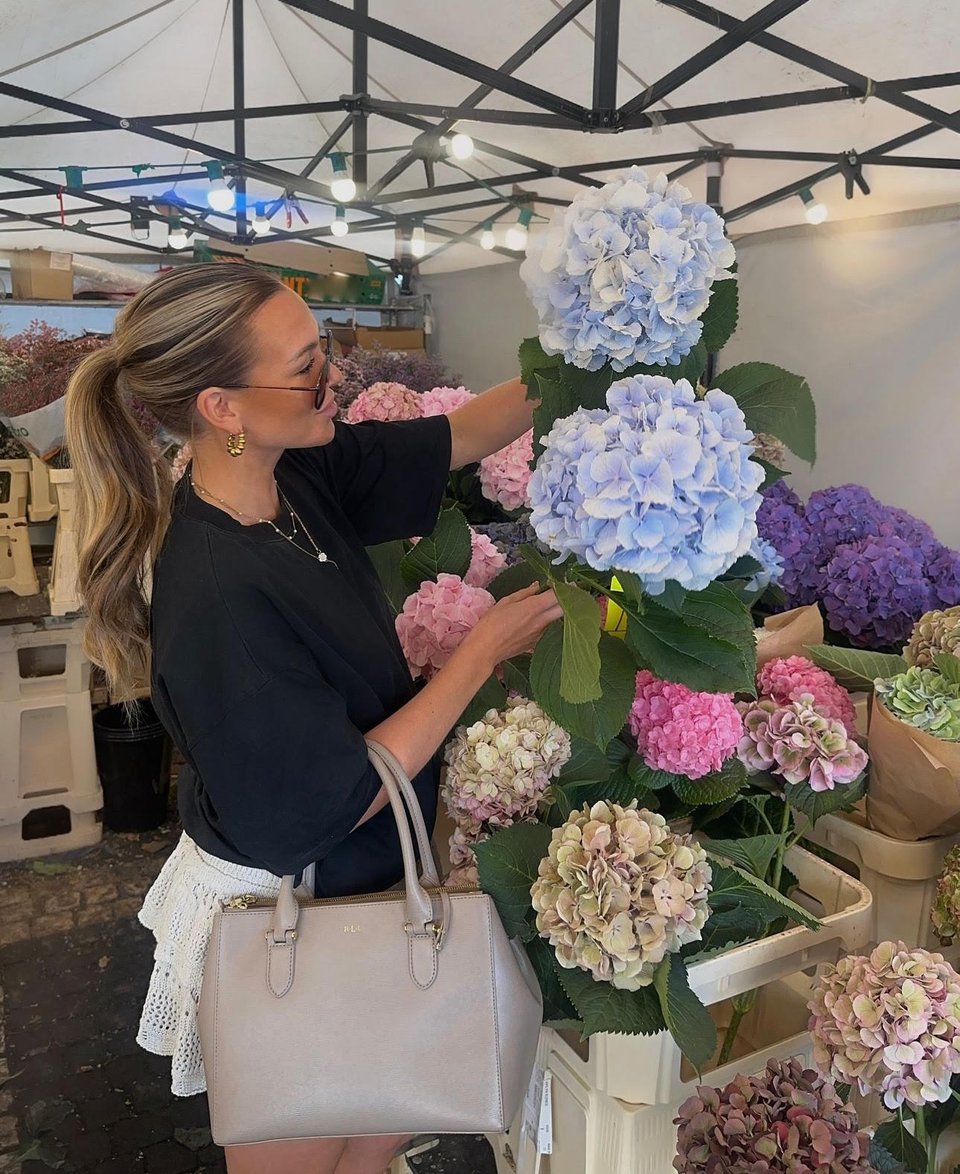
(269, 665)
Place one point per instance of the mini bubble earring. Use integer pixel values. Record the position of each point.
(236, 443)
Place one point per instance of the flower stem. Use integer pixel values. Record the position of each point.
(742, 1006)
(782, 849)
(928, 1141)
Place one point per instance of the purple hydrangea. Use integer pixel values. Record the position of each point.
(508, 537)
(781, 523)
(943, 571)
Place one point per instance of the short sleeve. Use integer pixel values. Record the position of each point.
(390, 477)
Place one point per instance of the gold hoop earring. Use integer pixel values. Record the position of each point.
(236, 443)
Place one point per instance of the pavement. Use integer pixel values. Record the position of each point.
(76, 1091)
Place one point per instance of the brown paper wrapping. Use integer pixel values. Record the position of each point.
(914, 780)
(791, 632)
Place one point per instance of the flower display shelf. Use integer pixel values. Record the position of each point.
(64, 597)
(14, 489)
(901, 875)
(43, 499)
(646, 1070)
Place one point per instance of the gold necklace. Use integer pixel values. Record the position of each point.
(298, 524)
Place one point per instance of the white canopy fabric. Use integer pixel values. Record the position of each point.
(139, 58)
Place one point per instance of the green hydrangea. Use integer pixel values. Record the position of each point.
(924, 699)
(935, 631)
(945, 913)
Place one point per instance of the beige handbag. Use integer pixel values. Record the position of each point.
(400, 1012)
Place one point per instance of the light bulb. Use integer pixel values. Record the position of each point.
(418, 241)
(517, 237)
(260, 224)
(814, 212)
(343, 189)
(461, 146)
(340, 226)
(220, 198)
(487, 239)
(177, 236)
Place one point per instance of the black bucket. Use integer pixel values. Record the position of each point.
(133, 761)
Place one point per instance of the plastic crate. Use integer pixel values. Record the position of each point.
(68, 829)
(594, 1133)
(43, 660)
(14, 489)
(17, 572)
(901, 874)
(43, 500)
(64, 596)
(647, 1070)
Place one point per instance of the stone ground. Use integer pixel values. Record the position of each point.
(76, 1091)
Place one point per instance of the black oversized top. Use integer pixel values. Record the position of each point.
(268, 665)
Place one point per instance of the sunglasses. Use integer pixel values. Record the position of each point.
(319, 389)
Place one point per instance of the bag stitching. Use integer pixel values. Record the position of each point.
(496, 1022)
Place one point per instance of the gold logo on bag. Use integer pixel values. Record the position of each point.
(351, 929)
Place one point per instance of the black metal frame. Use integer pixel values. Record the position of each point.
(380, 204)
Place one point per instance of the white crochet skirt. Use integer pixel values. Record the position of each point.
(179, 910)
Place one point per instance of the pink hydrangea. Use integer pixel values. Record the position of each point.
(385, 401)
(798, 743)
(681, 731)
(486, 560)
(441, 401)
(436, 618)
(788, 678)
(505, 474)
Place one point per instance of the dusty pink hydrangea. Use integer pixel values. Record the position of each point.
(680, 731)
(889, 1022)
(441, 401)
(486, 560)
(180, 462)
(436, 618)
(799, 743)
(788, 678)
(385, 401)
(505, 474)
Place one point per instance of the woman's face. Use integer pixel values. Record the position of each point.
(288, 354)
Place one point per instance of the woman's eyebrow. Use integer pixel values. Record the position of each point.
(303, 350)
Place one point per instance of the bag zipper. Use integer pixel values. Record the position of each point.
(247, 900)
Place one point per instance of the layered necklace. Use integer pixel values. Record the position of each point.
(295, 518)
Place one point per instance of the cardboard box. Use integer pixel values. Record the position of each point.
(392, 338)
(38, 274)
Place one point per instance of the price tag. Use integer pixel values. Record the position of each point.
(531, 1105)
(545, 1125)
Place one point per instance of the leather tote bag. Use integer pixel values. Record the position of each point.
(399, 1012)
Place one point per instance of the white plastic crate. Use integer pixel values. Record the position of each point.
(14, 489)
(17, 573)
(594, 1133)
(43, 500)
(901, 874)
(43, 660)
(646, 1070)
(76, 829)
(64, 592)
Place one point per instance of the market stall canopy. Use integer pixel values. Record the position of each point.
(760, 106)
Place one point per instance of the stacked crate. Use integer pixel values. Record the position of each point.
(17, 572)
(50, 795)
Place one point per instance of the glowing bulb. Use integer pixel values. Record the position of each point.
(418, 241)
(814, 212)
(176, 235)
(461, 146)
(340, 226)
(220, 198)
(517, 238)
(260, 224)
(343, 189)
(487, 239)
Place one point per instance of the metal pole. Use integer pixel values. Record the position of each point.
(360, 84)
(606, 50)
(239, 125)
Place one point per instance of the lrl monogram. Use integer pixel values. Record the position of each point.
(351, 929)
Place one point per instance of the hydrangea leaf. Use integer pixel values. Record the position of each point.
(490, 695)
(597, 721)
(718, 610)
(901, 1144)
(618, 788)
(855, 668)
(446, 550)
(691, 367)
(673, 597)
(590, 387)
(726, 928)
(534, 358)
(507, 866)
(687, 1019)
(603, 1007)
(557, 1008)
(949, 666)
(721, 315)
(560, 396)
(647, 777)
(714, 788)
(815, 804)
(883, 1161)
(744, 568)
(386, 559)
(773, 474)
(512, 579)
(754, 853)
(776, 401)
(586, 764)
(516, 675)
(580, 667)
(734, 886)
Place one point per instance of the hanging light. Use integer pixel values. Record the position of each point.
(418, 241)
(517, 233)
(176, 233)
(343, 189)
(219, 197)
(260, 224)
(340, 226)
(814, 211)
(461, 146)
(140, 218)
(487, 240)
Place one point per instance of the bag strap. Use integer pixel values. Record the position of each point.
(429, 871)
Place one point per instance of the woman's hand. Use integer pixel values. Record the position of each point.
(513, 626)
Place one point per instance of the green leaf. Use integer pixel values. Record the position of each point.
(516, 675)
(547, 571)
(774, 400)
(603, 1007)
(490, 695)
(556, 1004)
(534, 358)
(386, 559)
(733, 886)
(562, 392)
(507, 866)
(513, 579)
(580, 668)
(586, 764)
(687, 1020)
(673, 597)
(744, 568)
(597, 721)
(855, 669)
(720, 317)
(447, 550)
(815, 804)
(949, 666)
(754, 854)
(882, 1161)
(691, 367)
(725, 928)
(618, 788)
(713, 788)
(901, 1145)
(645, 776)
(45, 868)
(773, 474)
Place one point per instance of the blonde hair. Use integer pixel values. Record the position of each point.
(188, 330)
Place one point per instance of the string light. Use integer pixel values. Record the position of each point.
(340, 226)
(219, 197)
(343, 189)
(517, 233)
(176, 233)
(260, 224)
(461, 146)
(487, 239)
(418, 241)
(814, 211)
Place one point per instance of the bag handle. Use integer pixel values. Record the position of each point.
(429, 871)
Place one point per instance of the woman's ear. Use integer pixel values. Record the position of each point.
(216, 407)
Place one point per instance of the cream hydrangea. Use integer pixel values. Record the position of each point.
(619, 891)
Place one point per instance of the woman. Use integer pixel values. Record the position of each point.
(268, 638)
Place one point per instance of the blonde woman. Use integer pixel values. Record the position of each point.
(269, 640)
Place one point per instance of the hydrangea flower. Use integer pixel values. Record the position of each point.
(441, 401)
(780, 522)
(435, 619)
(798, 743)
(486, 561)
(619, 891)
(508, 537)
(889, 1022)
(943, 572)
(681, 731)
(626, 275)
(505, 475)
(925, 700)
(770, 449)
(789, 678)
(787, 1119)
(385, 401)
(771, 565)
(661, 484)
(936, 631)
(945, 911)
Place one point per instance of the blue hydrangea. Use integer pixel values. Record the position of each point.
(660, 484)
(626, 275)
(771, 565)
